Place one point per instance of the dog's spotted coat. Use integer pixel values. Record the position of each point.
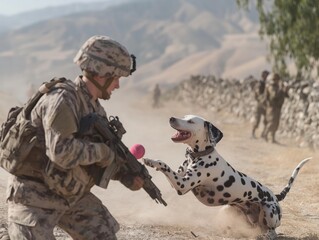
(215, 182)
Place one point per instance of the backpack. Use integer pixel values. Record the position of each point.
(18, 135)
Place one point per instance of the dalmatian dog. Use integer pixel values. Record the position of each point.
(215, 182)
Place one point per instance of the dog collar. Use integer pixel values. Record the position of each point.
(194, 155)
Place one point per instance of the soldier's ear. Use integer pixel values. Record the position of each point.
(214, 134)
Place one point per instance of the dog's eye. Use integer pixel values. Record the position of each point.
(190, 121)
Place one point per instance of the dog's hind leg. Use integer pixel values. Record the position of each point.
(269, 220)
(252, 214)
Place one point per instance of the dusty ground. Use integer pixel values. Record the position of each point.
(185, 218)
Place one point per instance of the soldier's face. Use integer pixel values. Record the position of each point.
(115, 84)
(103, 91)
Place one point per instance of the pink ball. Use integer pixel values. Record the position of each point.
(137, 150)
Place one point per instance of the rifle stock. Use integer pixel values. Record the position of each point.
(109, 133)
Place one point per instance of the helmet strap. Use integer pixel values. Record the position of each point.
(103, 89)
(105, 94)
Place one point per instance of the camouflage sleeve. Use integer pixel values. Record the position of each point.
(60, 123)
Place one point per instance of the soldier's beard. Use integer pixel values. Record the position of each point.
(105, 94)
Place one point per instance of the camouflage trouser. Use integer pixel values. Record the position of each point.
(88, 219)
(260, 111)
(273, 120)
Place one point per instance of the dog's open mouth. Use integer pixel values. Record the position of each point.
(180, 135)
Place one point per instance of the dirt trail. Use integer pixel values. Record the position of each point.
(185, 218)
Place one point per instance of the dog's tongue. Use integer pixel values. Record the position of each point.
(180, 136)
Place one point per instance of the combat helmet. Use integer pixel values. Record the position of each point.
(264, 74)
(102, 55)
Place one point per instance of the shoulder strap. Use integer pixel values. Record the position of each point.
(83, 101)
(79, 94)
(44, 88)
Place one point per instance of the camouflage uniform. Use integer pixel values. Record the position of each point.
(259, 95)
(55, 189)
(275, 96)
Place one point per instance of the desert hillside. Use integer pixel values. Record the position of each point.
(171, 40)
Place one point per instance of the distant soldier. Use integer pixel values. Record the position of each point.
(275, 95)
(156, 96)
(260, 110)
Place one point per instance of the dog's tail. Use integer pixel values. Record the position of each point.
(286, 189)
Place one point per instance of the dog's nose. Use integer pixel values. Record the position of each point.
(172, 119)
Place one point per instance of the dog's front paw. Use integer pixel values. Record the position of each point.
(152, 163)
(149, 162)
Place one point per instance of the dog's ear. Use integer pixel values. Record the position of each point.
(214, 134)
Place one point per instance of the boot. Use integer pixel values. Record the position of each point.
(253, 135)
(265, 136)
(273, 140)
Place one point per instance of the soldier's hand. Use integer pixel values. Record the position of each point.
(137, 184)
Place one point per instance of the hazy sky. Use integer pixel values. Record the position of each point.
(9, 7)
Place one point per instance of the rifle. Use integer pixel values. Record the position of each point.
(110, 132)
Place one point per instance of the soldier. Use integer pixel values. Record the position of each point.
(260, 98)
(275, 95)
(156, 96)
(57, 193)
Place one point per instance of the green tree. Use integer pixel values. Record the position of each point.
(292, 27)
